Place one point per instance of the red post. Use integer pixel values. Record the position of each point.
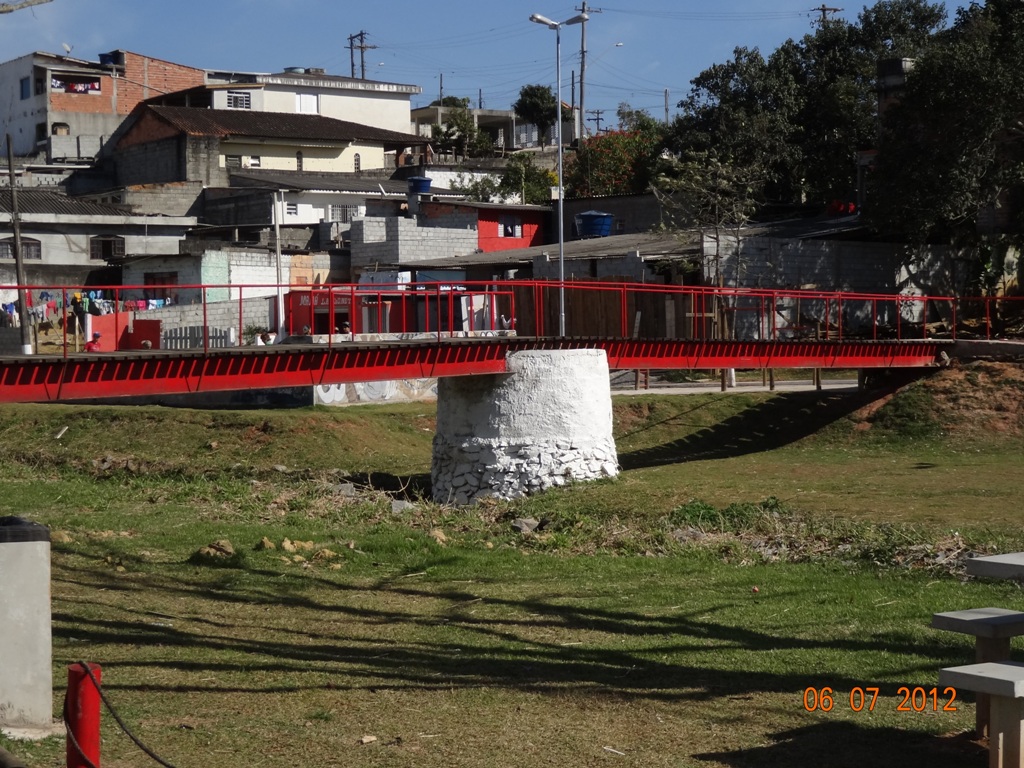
(83, 715)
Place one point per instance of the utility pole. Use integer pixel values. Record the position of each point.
(666, 106)
(597, 117)
(585, 9)
(363, 48)
(19, 263)
(824, 10)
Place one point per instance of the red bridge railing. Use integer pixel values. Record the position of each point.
(193, 317)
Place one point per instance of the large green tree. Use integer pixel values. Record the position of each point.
(951, 153)
(801, 113)
(537, 104)
(617, 162)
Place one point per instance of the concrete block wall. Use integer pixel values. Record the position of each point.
(396, 241)
(220, 316)
(179, 198)
(156, 162)
(628, 267)
(833, 265)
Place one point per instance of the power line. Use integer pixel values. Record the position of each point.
(10, 7)
(363, 48)
(824, 10)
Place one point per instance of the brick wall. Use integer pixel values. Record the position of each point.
(145, 77)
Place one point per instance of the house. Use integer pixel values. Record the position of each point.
(506, 130)
(74, 242)
(172, 144)
(67, 108)
(397, 234)
(310, 91)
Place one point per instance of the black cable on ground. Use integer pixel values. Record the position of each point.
(120, 722)
(7, 760)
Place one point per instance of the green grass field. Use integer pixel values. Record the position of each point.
(627, 630)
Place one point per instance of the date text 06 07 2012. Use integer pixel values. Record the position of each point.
(864, 699)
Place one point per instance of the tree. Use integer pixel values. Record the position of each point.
(617, 162)
(452, 101)
(537, 104)
(532, 184)
(804, 111)
(522, 180)
(953, 145)
(458, 133)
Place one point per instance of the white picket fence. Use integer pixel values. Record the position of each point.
(191, 337)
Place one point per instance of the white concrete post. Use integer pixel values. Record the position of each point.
(26, 690)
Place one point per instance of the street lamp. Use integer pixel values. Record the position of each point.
(557, 26)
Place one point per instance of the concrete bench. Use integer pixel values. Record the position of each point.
(992, 629)
(1003, 683)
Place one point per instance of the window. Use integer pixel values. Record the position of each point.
(40, 132)
(232, 162)
(106, 247)
(26, 87)
(306, 104)
(30, 249)
(357, 162)
(291, 209)
(61, 129)
(342, 213)
(239, 100)
(255, 161)
(298, 161)
(510, 226)
(161, 279)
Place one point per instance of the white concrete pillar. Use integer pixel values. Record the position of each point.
(26, 650)
(545, 423)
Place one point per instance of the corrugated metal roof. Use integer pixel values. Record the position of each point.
(335, 182)
(649, 246)
(42, 201)
(275, 125)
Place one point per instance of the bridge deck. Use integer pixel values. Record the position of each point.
(42, 378)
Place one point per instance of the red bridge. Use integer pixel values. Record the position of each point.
(432, 330)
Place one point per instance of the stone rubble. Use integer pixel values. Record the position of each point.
(475, 469)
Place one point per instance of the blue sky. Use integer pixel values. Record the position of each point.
(476, 49)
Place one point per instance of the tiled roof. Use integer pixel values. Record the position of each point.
(41, 201)
(275, 125)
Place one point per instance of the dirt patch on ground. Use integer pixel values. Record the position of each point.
(968, 400)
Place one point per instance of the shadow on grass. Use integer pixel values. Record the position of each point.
(408, 487)
(268, 629)
(772, 423)
(853, 745)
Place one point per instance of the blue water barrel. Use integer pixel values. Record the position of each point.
(419, 185)
(594, 224)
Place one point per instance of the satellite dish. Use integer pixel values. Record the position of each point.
(67, 48)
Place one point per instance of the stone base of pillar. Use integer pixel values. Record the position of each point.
(546, 423)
